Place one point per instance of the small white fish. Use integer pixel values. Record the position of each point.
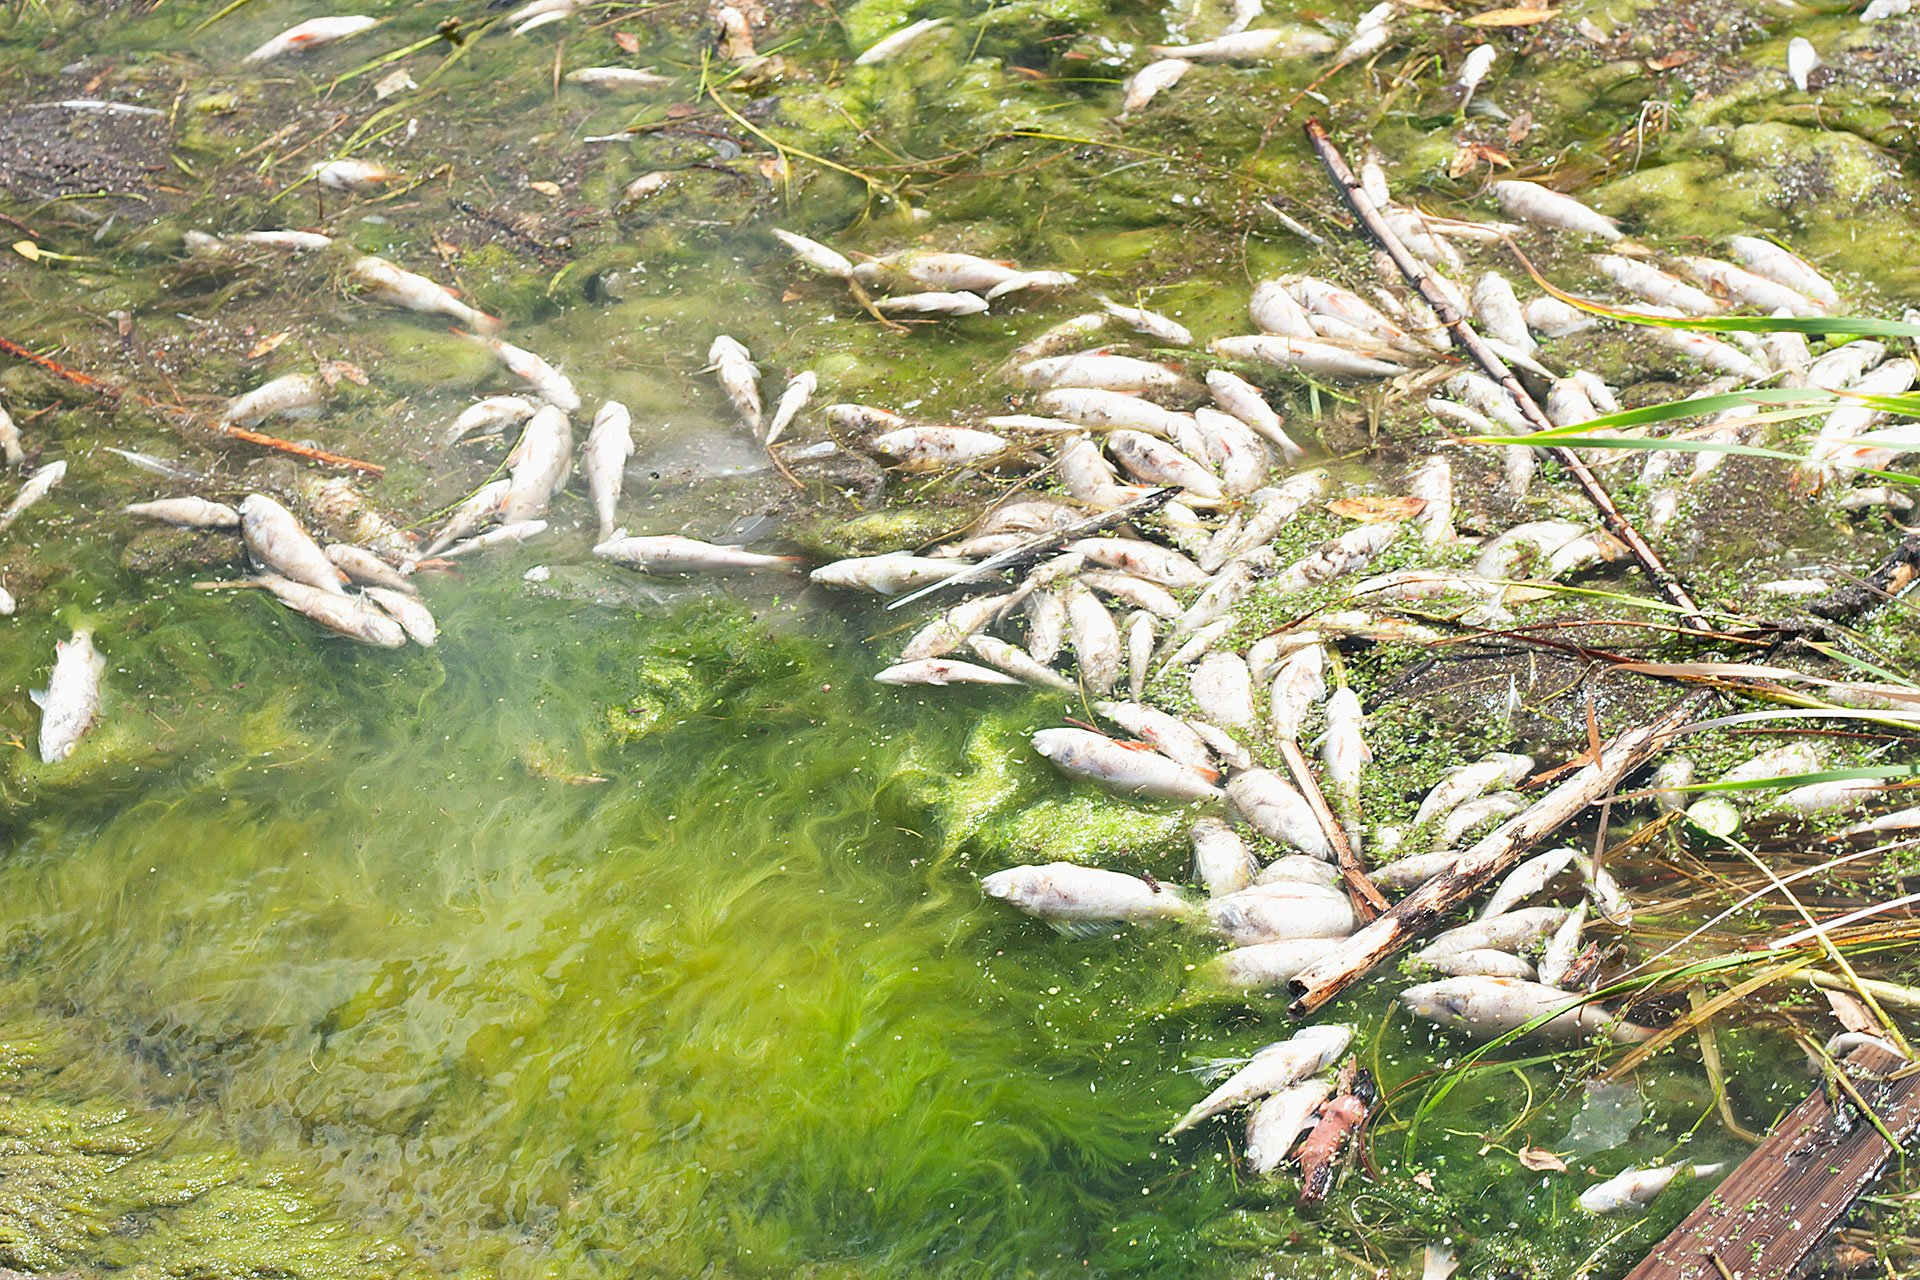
(1073, 896)
(1140, 642)
(478, 510)
(816, 255)
(1349, 553)
(1432, 484)
(1244, 401)
(1099, 371)
(791, 402)
(1750, 287)
(1497, 310)
(1344, 750)
(397, 287)
(1480, 963)
(1279, 1120)
(414, 618)
(1153, 461)
(1221, 860)
(671, 553)
(297, 395)
(1783, 267)
(1278, 911)
(1273, 309)
(539, 463)
(604, 459)
(70, 704)
(1260, 45)
(1551, 318)
(1071, 334)
(919, 449)
(739, 377)
(1272, 807)
(1473, 70)
(518, 531)
(278, 541)
(1096, 640)
(1276, 1066)
(1150, 81)
(1525, 545)
(189, 513)
(37, 487)
(1151, 323)
(1656, 286)
(1370, 34)
(1542, 206)
(7, 603)
(1306, 355)
(1298, 687)
(1563, 947)
(351, 175)
(1265, 966)
(945, 304)
(1108, 410)
(547, 382)
(886, 575)
(353, 616)
(1222, 689)
(311, 34)
(1098, 758)
(10, 451)
(362, 565)
(950, 630)
(1166, 733)
(863, 417)
(1018, 663)
(618, 78)
(1492, 1006)
(890, 46)
(286, 241)
(942, 671)
(1525, 880)
(491, 414)
(1802, 59)
(1469, 782)
(1638, 1188)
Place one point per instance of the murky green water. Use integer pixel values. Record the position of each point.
(633, 931)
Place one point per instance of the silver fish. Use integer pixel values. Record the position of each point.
(604, 459)
(353, 616)
(671, 553)
(70, 704)
(277, 541)
(190, 513)
(1140, 772)
(1276, 1066)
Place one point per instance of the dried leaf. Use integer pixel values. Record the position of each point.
(267, 344)
(546, 188)
(1423, 1179)
(1518, 128)
(1377, 509)
(1852, 1013)
(627, 41)
(333, 371)
(27, 249)
(396, 81)
(1471, 155)
(1541, 1161)
(1668, 61)
(774, 168)
(1516, 17)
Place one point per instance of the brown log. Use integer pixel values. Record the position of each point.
(1493, 855)
(1469, 341)
(1367, 899)
(1788, 1195)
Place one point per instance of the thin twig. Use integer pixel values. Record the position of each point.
(1367, 899)
(1467, 340)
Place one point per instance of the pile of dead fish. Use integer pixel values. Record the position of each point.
(1143, 566)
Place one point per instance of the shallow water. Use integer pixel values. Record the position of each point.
(633, 930)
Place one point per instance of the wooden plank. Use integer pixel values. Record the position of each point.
(1786, 1198)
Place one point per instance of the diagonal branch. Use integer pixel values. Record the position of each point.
(1464, 336)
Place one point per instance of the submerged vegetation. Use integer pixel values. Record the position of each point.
(633, 929)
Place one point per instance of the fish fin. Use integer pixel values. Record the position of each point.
(1082, 930)
(1215, 1068)
(39, 697)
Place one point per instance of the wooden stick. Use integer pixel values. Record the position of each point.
(1367, 899)
(1493, 855)
(302, 451)
(1469, 341)
(1895, 574)
(1789, 1194)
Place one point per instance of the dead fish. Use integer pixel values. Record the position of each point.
(1479, 963)
(1544, 207)
(939, 270)
(950, 630)
(1344, 750)
(942, 671)
(362, 565)
(547, 382)
(1497, 310)
(1525, 880)
(1222, 689)
(1562, 948)
(618, 78)
(478, 510)
(7, 603)
(395, 286)
(298, 395)
(1109, 410)
(358, 176)
(1243, 400)
(1166, 733)
(1017, 662)
(1274, 508)
(1298, 687)
(1638, 1188)
(1153, 461)
(1096, 640)
(1370, 34)
(1221, 860)
(1272, 807)
(1261, 45)
(945, 304)
(70, 704)
(739, 377)
(1473, 70)
(863, 417)
(890, 46)
(352, 616)
(1265, 966)
(1339, 1120)
(671, 553)
(494, 413)
(277, 541)
(1475, 814)
(604, 459)
(1149, 82)
(1493, 1006)
(1080, 900)
(1470, 781)
(404, 608)
(1273, 309)
(1802, 60)
(1140, 643)
(885, 575)
(1141, 560)
(1746, 287)
(1348, 553)
(1276, 1066)
(10, 449)
(1280, 910)
(1136, 771)
(1148, 597)
(921, 449)
(1099, 371)
(1783, 267)
(1151, 323)
(540, 463)
(1511, 930)
(1275, 1124)
(311, 34)
(1536, 540)
(188, 513)
(1551, 318)
(517, 532)
(1306, 356)
(1656, 286)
